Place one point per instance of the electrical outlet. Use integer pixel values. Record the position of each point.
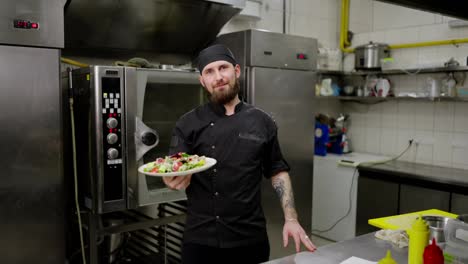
(348, 163)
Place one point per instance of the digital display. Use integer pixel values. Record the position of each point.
(17, 23)
(301, 56)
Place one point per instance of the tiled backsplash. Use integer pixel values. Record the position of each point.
(439, 130)
(309, 18)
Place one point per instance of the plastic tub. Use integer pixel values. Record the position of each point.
(456, 237)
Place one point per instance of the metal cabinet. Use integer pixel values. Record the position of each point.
(459, 203)
(415, 198)
(376, 198)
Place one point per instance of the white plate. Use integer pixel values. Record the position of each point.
(209, 162)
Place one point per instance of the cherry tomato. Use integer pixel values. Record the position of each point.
(176, 165)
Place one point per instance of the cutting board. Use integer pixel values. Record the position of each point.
(404, 221)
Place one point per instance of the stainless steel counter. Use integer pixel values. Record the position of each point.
(442, 178)
(366, 247)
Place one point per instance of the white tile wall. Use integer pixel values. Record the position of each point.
(389, 114)
(405, 116)
(431, 125)
(442, 154)
(392, 24)
(440, 128)
(311, 8)
(272, 21)
(424, 116)
(374, 116)
(373, 138)
(273, 4)
(424, 146)
(461, 117)
(403, 138)
(384, 16)
(444, 117)
(360, 16)
(460, 150)
(328, 107)
(310, 18)
(388, 142)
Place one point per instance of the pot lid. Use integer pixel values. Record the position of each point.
(372, 45)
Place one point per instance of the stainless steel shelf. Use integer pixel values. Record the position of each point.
(396, 71)
(382, 99)
(332, 72)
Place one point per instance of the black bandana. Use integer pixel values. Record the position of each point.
(214, 53)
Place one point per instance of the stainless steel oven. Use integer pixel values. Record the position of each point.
(124, 118)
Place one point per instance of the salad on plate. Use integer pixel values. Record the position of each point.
(175, 163)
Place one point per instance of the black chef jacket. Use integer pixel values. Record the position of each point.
(224, 202)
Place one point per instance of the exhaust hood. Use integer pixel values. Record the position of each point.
(160, 26)
(453, 8)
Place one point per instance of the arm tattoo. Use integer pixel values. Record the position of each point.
(290, 201)
(284, 194)
(278, 185)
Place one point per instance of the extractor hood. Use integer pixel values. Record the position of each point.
(161, 26)
(453, 8)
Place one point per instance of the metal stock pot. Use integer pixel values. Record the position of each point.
(367, 57)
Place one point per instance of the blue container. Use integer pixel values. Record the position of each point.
(336, 144)
(321, 139)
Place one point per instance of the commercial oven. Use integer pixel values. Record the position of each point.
(124, 117)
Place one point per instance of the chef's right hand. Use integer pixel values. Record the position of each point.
(177, 182)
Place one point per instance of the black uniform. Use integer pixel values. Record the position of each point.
(224, 202)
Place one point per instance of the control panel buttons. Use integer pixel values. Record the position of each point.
(112, 122)
(112, 138)
(112, 153)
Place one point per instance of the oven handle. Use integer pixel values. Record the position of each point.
(146, 138)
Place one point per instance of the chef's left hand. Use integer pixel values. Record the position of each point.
(294, 229)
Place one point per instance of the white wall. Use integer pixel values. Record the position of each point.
(385, 128)
(309, 18)
(386, 23)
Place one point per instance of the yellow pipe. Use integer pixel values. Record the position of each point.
(429, 43)
(73, 62)
(344, 43)
(341, 21)
(342, 24)
(346, 25)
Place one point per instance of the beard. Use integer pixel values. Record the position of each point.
(227, 95)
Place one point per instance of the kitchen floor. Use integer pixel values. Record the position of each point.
(276, 243)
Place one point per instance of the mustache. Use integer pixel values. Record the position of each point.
(221, 84)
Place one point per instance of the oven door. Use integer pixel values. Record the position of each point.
(155, 99)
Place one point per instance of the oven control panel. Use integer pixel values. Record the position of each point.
(111, 101)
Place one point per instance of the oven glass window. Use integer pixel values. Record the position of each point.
(164, 104)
